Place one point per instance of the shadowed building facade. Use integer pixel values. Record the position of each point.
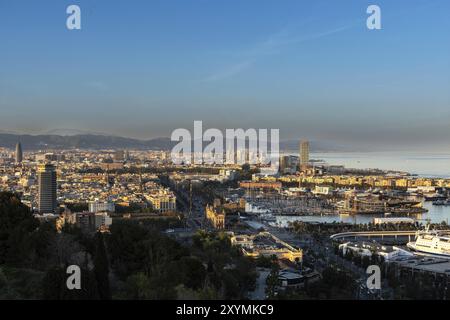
(304, 154)
(47, 188)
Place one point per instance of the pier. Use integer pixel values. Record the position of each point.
(397, 236)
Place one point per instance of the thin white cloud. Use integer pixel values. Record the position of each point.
(274, 44)
(229, 71)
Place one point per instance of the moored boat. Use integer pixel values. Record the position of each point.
(431, 242)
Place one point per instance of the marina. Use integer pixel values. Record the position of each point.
(436, 214)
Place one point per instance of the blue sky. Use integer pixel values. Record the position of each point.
(310, 68)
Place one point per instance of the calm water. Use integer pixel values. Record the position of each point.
(436, 214)
(423, 164)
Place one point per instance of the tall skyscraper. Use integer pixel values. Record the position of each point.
(304, 153)
(19, 154)
(47, 188)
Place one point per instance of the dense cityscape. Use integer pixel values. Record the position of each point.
(238, 158)
(129, 217)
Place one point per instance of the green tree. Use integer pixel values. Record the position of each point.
(54, 286)
(138, 287)
(16, 225)
(273, 281)
(101, 268)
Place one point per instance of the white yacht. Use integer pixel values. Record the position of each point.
(432, 242)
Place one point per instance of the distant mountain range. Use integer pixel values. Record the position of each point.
(81, 141)
(100, 141)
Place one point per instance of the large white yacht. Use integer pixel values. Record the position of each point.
(432, 242)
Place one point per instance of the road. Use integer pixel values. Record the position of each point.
(325, 249)
(260, 290)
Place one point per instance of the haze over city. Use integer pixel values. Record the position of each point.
(310, 68)
(225, 157)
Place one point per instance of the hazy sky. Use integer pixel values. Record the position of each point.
(310, 68)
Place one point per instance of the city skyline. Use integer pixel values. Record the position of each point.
(224, 156)
(311, 69)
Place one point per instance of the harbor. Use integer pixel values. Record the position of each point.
(436, 214)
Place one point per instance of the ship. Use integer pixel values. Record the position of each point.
(435, 197)
(431, 242)
(441, 202)
(268, 217)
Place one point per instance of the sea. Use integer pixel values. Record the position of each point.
(422, 164)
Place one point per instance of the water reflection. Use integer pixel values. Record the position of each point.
(436, 214)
